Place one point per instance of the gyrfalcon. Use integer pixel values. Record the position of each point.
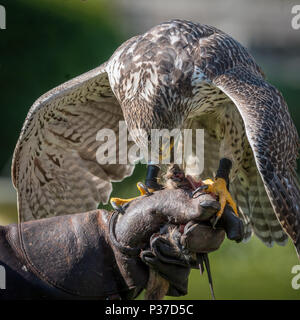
(178, 74)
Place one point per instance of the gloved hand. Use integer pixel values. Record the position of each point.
(172, 253)
(166, 257)
(96, 255)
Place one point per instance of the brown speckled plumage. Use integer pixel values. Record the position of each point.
(176, 75)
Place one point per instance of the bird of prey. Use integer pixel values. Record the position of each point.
(179, 74)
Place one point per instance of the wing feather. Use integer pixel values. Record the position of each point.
(55, 169)
(273, 139)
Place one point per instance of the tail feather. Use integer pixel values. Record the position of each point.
(276, 231)
(256, 210)
(285, 197)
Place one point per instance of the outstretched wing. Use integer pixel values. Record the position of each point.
(55, 169)
(247, 187)
(273, 139)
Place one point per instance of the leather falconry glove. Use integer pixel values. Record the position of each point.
(99, 255)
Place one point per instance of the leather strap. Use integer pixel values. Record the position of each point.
(132, 252)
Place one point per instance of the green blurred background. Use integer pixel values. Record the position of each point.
(48, 42)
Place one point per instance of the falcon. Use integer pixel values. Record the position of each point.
(177, 75)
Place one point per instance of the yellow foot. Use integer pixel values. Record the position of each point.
(118, 202)
(219, 188)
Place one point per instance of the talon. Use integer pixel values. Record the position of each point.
(116, 207)
(143, 189)
(199, 189)
(117, 203)
(219, 188)
(216, 221)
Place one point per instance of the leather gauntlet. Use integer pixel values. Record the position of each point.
(97, 255)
